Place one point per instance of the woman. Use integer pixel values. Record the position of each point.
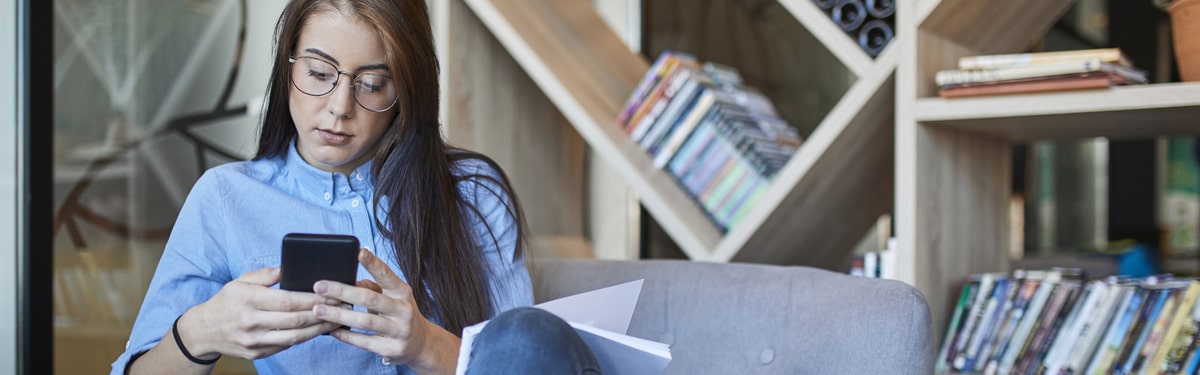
(350, 145)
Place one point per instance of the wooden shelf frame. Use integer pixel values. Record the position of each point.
(830, 35)
(821, 202)
(953, 156)
(1120, 112)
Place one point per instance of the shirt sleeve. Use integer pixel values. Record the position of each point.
(496, 227)
(192, 268)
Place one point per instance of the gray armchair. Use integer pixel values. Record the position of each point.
(734, 318)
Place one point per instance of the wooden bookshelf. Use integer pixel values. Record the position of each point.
(953, 156)
(819, 205)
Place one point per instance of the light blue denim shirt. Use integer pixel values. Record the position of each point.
(234, 220)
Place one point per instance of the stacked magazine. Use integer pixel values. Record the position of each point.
(983, 75)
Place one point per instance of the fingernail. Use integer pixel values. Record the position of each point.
(321, 287)
(320, 310)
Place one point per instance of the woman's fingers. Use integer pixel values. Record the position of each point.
(364, 283)
(386, 347)
(361, 320)
(262, 276)
(365, 297)
(389, 283)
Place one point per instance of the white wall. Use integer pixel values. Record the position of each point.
(11, 231)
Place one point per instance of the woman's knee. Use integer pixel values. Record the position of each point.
(529, 321)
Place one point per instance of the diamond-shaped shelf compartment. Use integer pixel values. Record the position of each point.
(819, 205)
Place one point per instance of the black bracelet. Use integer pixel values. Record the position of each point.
(179, 343)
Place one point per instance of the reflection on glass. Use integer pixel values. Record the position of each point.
(143, 92)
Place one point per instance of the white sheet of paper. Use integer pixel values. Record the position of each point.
(609, 308)
(605, 309)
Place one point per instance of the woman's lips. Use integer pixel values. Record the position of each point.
(332, 138)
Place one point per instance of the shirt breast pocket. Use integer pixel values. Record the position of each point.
(254, 263)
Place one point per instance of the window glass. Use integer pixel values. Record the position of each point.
(147, 95)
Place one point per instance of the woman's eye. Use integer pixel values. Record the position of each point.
(319, 75)
(367, 87)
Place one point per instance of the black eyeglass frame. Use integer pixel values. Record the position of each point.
(353, 77)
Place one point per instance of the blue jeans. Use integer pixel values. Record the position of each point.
(529, 340)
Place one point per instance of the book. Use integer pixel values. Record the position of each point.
(1110, 345)
(1029, 322)
(664, 101)
(986, 330)
(1056, 356)
(1130, 358)
(979, 307)
(1047, 326)
(675, 137)
(962, 77)
(1157, 330)
(1025, 294)
(1184, 350)
(601, 317)
(656, 81)
(1093, 330)
(1012, 60)
(1175, 325)
(1083, 81)
(679, 105)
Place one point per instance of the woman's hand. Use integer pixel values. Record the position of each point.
(249, 319)
(402, 334)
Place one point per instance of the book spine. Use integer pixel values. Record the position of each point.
(1159, 362)
(1094, 329)
(987, 330)
(682, 97)
(748, 205)
(1021, 301)
(986, 288)
(653, 75)
(660, 99)
(1031, 358)
(696, 145)
(1069, 337)
(676, 137)
(962, 77)
(1139, 335)
(1154, 335)
(1110, 345)
(961, 308)
(1110, 55)
(1029, 322)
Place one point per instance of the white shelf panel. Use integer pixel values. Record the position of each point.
(1121, 112)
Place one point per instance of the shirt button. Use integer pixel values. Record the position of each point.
(354, 203)
(328, 196)
(358, 176)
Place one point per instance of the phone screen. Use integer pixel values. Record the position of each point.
(307, 258)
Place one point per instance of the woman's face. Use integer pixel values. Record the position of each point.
(334, 132)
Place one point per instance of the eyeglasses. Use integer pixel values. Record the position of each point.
(374, 92)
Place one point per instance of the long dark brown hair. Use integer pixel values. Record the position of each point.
(427, 216)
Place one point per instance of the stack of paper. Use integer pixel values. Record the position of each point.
(1038, 72)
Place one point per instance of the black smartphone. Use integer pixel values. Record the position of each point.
(309, 257)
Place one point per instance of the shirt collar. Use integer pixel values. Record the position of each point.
(326, 186)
